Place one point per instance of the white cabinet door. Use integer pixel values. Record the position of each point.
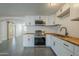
(31, 41)
(76, 53)
(59, 47)
(65, 52)
(28, 41)
(25, 41)
(60, 50)
(66, 49)
(53, 42)
(48, 40)
(30, 20)
(68, 46)
(55, 45)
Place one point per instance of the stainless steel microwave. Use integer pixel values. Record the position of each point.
(39, 22)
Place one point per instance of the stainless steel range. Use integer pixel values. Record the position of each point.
(40, 37)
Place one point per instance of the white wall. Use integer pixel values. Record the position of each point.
(19, 37)
(3, 31)
(72, 26)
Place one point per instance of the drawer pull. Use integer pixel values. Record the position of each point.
(28, 38)
(66, 45)
(54, 43)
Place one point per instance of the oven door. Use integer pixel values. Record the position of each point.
(40, 41)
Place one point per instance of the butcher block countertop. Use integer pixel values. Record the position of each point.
(70, 39)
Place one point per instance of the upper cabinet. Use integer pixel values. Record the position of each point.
(30, 20)
(64, 10)
(74, 12)
(50, 20)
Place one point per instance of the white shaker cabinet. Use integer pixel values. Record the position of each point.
(30, 20)
(66, 48)
(56, 46)
(61, 47)
(48, 40)
(28, 41)
(76, 52)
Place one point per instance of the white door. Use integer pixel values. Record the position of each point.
(11, 36)
(10, 30)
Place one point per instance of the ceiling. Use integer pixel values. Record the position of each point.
(23, 9)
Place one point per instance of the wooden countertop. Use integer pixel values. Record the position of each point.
(70, 39)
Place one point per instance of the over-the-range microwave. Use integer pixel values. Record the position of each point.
(39, 22)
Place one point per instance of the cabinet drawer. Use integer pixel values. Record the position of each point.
(68, 46)
(66, 52)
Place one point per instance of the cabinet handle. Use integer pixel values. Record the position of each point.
(66, 45)
(28, 38)
(54, 43)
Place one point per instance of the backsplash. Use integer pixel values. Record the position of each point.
(72, 26)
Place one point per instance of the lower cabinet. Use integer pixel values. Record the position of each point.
(61, 47)
(28, 40)
(48, 40)
(57, 48)
(64, 51)
(76, 52)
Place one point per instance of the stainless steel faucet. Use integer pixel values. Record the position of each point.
(66, 33)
